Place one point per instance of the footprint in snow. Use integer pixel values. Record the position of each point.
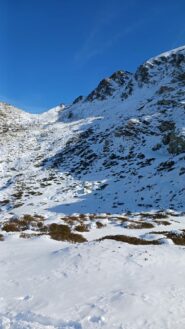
(24, 298)
(96, 319)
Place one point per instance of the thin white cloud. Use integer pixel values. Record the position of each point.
(95, 45)
(90, 48)
(102, 37)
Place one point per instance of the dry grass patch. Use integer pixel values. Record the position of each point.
(62, 232)
(72, 220)
(177, 238)
(122, 219)
(157, 215)
(162, 222)
(140, 225)
(99, 225)
(41, 227)
(24, 223)
(31, 235)
(97, 216)
(81, 218)
(15, 226)
(1, 237)
(32, 218)
(82, 228)
(130, 240)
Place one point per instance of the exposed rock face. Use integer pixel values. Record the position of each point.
(120, 77)
(107, 87)
(176, 143)
(78, 99)
(103, 90)
(167, 126)
(142, 74)
(121, 148)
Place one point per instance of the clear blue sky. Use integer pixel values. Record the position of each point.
(55, 50)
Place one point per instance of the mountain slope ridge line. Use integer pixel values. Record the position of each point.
(119, 149)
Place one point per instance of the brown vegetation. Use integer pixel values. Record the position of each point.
(130, 240)
(62, 232)
(1, 237)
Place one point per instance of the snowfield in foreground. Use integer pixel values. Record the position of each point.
(48, 285)
(134, 282)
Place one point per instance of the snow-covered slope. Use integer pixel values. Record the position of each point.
(13, 119)
(120, 148)
(103, 173)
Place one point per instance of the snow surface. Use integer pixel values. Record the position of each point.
(46, 284)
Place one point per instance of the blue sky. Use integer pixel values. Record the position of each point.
(55, 50)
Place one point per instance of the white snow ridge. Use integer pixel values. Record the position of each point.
(92, 206)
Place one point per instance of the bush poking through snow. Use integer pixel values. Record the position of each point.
(99, 225)
(1, 237)
(139, 225)
(26, 222)
(157, 215)
(62, 232)
(177, 238)
(82, 228)
(130, 240)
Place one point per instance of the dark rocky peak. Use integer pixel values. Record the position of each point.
(142, 74)
(103, 90)
(108, 86)
(175, 57)
(171, 63)
(120, 77)
(78, 100)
